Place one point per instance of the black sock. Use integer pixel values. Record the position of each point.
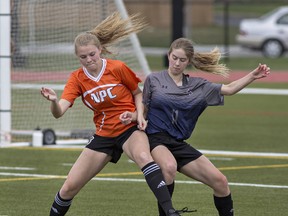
(171, 190)
(60, 206)
(224, 205)
(155, 180)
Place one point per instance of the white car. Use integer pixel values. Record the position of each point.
(269, 33)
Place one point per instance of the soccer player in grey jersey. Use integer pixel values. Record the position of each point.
(173, 102)
(176, 108)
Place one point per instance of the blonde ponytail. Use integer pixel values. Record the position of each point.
(111, 30)
(209, 62)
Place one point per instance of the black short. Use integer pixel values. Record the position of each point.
(110, 145)
(182, 151)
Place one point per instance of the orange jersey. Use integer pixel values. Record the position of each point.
(107, 95)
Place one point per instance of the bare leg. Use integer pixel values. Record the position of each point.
(166, 161)
(168, 165)
(204, 171)
(137, 149)
(88, 164)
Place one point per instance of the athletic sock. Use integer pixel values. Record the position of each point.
(171, 190)
(155, 180)
(224, 205)
(59, 206)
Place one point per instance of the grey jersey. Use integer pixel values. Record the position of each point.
(175, 109)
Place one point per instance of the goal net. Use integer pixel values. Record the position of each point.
(42, 37)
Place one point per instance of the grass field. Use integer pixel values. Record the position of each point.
(30, 177)
(259, 186)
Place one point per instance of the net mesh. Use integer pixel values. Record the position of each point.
(42, 34)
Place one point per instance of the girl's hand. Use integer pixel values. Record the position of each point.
(142, 123)
(127, 117)
(261, 71)
(49, 94)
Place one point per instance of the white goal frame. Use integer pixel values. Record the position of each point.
(5, 73)
(6, 131)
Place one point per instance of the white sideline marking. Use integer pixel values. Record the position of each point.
(140, 180)
(67, 164)
(16, 168)
(30, 175)
(221, 159)
(236, 153)
(264, 91)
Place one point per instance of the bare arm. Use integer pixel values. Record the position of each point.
(232, 88)
(58, 108)
(140, 109)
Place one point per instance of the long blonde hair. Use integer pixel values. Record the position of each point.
(207, 62)
(111, 30)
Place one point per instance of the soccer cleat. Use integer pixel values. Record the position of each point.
(173, 212)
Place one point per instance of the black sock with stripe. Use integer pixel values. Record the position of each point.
(171, 190)
(60, 206)
(155, 180)
(224, 205)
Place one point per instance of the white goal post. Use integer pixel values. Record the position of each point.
(5, 84)
(37, 41)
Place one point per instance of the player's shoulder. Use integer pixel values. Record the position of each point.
(76, 73)
(196, 79)
(78, 70)
(114, 63)
(157, 74)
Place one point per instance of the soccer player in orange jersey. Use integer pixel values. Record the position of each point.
(107, 87)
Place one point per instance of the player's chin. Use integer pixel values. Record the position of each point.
(177, 70)
(91, 66)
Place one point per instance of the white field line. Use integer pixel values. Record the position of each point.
(221, 158)
(264, 91)
(16, 168)
(236, 153)
(138, 180)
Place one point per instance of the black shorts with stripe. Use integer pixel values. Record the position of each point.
(183, 152)
(110, 145)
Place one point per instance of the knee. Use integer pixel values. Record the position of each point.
(169, 170)
(143, 158)
(221, 186)
(68, 190)
(222, 181)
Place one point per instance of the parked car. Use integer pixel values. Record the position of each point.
(269, 33)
